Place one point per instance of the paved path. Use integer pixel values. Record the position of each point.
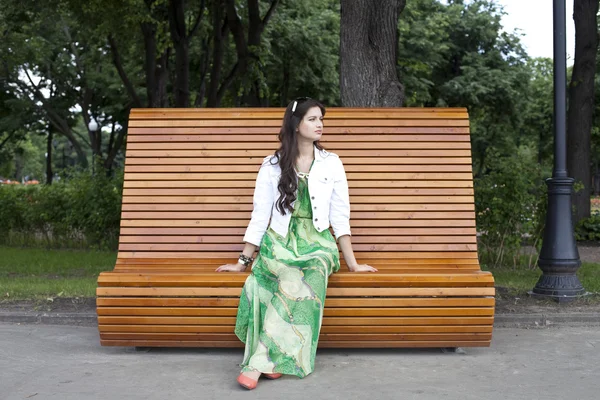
(65, 362)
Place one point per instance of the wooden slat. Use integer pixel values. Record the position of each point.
(357, 223)
(356, 232)
(253, 168)
(322, 344)
(329, 312)
(344, 280)
(444, 195)
(149, 269)
(244, 195)
(357, 187)
(239, 176)
(331, 303)
(248, 207)
(261, 153)
(334, 329)
(256, 161)
(277, 113)
(143, 239)
(424, 267)
(271, 146)
(363, 256)
(408, 199)
(331, 131)
(392, 260)
(331, 292)
(276, 122)
(322, 337)
(238, 247)
(272, 136)
(245, 215)
(345, 321)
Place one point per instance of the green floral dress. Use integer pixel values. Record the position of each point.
(281, 306)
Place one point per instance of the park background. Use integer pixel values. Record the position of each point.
(70, 72)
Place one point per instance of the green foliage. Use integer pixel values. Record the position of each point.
(509, 203)
(457, 55)
(79, 211)
(537, 129)
(302, 52)
(450, 53)
(589, 228)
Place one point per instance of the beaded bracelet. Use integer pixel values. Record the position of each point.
(245, 260)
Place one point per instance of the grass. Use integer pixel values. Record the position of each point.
(523, 280)
(34, 273)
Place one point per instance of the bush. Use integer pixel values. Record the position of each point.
(589, 228)
(82, 210)
(510, 203)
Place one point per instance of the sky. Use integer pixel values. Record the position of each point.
(534, 19)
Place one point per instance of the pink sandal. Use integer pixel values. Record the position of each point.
(272, 376)
(247, 382)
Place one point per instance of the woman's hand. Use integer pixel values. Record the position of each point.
(361, 268)
(231, 268)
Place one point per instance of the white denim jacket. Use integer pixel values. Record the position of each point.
(328, 189)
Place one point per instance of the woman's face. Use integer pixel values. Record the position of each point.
(311, 126)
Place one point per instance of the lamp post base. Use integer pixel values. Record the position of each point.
(559, 258)
(561, 288)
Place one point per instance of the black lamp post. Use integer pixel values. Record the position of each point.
(559, 258)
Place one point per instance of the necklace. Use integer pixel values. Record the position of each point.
(304, 174)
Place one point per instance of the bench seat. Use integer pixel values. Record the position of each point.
(187, 199)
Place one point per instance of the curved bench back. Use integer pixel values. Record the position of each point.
(190, 175)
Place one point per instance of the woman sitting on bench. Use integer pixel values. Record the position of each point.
(301, 190)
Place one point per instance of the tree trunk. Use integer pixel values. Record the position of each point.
(368, 53)
(155, 65)
(116, 57)
(161, 78)
(220, 32)
(49, 156)
(149, 32)
(111, 154)
(285, 84)
(182, 52)
(245, 48)
(203, 72)
(581, 103)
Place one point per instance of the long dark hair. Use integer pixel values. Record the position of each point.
(287, 153)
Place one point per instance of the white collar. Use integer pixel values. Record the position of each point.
(320, 155)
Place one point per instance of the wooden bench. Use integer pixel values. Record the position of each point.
(189, 180)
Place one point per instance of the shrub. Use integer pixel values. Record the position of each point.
(510, 208)
(589, 228)
(81, 210)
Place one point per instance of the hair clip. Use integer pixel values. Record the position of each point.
(294, 106)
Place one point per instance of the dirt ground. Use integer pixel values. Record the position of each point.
(590, 252)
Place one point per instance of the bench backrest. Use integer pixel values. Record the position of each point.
(190, 175)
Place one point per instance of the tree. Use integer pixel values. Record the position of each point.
(368, 53)
(301, 52)
(456, 55)
(537, 127)
(581, 103)
(247, 46)
(64, 72)
(181, 40)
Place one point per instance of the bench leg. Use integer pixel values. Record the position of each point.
(454, 350)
